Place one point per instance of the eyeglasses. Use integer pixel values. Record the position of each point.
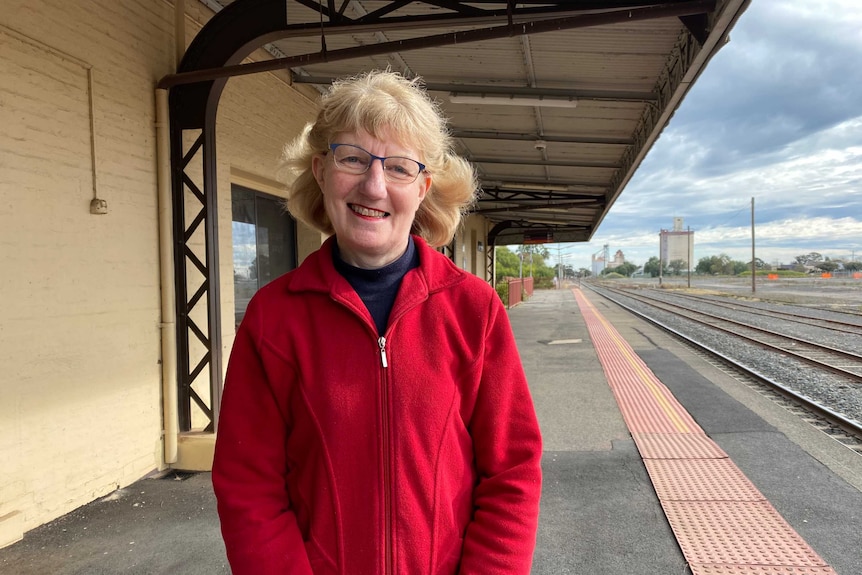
(354, 160)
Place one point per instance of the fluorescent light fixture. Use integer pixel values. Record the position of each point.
(513, 100)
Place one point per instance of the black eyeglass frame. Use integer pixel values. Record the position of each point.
(333, 147)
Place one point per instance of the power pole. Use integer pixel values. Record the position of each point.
(753, 267)
(688, 238)
(559, 267)
(660, 260)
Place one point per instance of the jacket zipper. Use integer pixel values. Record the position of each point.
(381, 341)
(387, 498)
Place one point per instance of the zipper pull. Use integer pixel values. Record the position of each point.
(381, 341)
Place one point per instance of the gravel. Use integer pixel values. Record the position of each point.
(833, 391)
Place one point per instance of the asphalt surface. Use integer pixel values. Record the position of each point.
(600, 514)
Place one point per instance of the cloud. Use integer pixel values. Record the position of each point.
(775, 116)
(789, 71)
(803, 201)
(820, 172)
(776, 241)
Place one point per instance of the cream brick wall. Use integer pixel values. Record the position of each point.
(473, 230)
(79, 340)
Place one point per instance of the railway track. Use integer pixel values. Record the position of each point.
(840, 361)
(853, 326)
(844, 368)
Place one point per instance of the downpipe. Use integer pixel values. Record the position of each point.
(170, 409)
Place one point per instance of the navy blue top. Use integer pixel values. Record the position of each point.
(377, 288)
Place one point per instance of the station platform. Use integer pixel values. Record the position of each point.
(601, 512)
(620, 404)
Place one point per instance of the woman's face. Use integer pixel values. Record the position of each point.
(372, 216)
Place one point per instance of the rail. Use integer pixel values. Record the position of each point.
(833, 417)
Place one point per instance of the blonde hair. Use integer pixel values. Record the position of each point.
(384, 102)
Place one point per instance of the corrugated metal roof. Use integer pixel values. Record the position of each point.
(543, 169)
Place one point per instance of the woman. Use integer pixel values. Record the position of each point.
(375, 417)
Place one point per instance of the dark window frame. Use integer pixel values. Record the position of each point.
(265, 208)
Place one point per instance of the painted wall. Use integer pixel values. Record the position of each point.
(79, 338)
(473, 231)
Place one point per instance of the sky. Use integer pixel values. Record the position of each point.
(776, 116)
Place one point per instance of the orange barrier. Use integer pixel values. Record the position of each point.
(518, 288)
(857, 275)
(772, 276)
(826, 275)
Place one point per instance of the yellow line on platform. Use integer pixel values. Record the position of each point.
(644, 374)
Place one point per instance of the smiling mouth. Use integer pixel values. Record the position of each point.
(368, 212)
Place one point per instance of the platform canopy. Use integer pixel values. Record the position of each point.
(556, 102)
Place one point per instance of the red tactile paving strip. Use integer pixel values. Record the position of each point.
(760, 570)
(646, 404)
(700, 480)
(722, 522)
(677, 446)
(737, 533)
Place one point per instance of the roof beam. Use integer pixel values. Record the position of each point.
(503, 195)
(519, 91)
(527, 183)
(542, 224)
(531, 137)
(461, 37)
(460, 14)
(555, 163)
(614, 95)
(525, 208)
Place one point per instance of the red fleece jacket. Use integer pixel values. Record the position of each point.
(339, 452)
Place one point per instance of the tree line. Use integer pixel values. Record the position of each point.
(723, 264)
(530, 261)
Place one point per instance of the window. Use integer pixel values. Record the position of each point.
(264, 244)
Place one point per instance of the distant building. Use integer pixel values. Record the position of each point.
(600, 260)
(598, 264)
(677, 244)
(619, 259)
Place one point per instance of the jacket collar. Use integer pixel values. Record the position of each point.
(435, 272)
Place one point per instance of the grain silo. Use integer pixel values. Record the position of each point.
(677, 244)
